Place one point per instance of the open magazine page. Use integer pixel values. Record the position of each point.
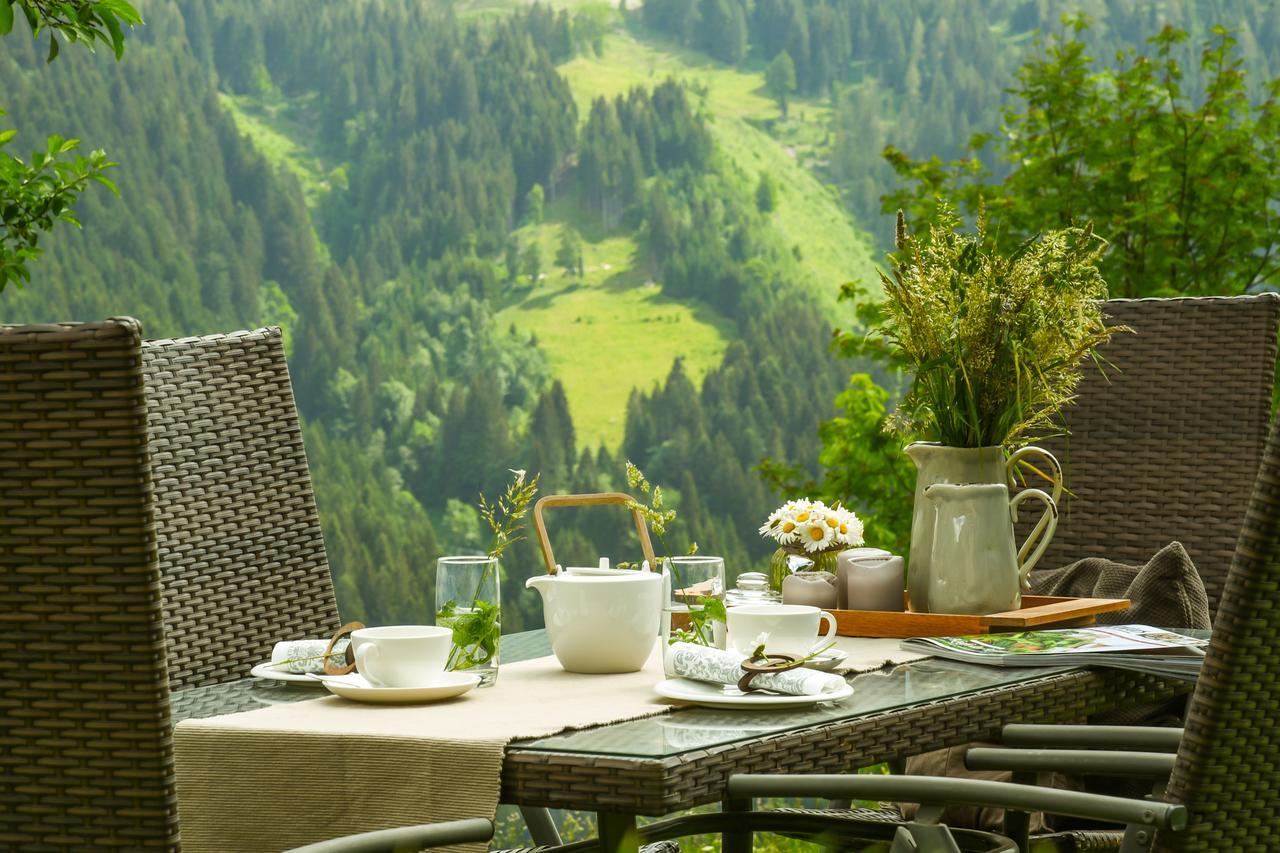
(1138, 647)
(1059, 641)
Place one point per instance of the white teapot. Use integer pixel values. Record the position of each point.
(600, 620)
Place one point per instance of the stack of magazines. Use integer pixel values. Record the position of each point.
(1137, 647)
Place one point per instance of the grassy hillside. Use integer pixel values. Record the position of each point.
(748, 131)
(276, 130)
(610, 331)
(613, 330)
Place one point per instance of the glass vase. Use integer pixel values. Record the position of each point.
(467, 603)
(690, 582)
(787, 560)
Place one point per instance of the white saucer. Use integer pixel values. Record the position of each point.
(275, 673)
(828, 660)
(723, 696)
(357, 689)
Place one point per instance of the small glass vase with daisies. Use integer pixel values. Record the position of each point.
(809, 535)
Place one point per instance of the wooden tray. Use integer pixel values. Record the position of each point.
(1038, 611)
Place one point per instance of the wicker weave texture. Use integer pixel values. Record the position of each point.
(86, 760)
(1167, 447)
(241, 552)
(1228, 769)
(661, 786)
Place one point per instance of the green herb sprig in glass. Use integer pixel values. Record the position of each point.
(476, 630)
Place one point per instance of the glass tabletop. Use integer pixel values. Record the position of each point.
(681, 730)
(686, 729)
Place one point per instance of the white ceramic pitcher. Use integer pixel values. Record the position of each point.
(937, 463)
(976, 568)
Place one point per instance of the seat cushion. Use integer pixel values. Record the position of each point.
(1166, 591)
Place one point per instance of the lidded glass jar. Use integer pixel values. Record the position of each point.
(752, 588)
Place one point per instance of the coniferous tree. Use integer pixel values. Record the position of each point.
(569, 252)
(780, 80)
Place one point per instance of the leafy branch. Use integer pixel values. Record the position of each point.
(505, 517)
(35, 196)
(83, 21)
(707, 609)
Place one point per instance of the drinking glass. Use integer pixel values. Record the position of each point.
(467, 603)
(689, 581)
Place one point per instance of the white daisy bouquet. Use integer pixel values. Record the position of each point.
(813, 527)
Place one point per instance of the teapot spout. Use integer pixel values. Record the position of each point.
(539, 583)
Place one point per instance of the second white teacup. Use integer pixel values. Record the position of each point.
(792, 628)
(402, 655)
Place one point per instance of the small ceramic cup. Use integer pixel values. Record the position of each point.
(402, 655)
(792, 629)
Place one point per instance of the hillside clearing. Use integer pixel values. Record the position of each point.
(611, 331)
(278, 137)
(832, 249)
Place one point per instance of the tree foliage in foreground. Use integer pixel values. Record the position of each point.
(1185, 185)
(36, 194)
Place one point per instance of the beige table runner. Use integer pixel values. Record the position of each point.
(296, 773)
(870, 653)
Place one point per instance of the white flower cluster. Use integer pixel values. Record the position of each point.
(813, 526)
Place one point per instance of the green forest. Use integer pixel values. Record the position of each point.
(449, 206)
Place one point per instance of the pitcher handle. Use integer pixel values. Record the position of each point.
(1048, 522)
(1053, 473)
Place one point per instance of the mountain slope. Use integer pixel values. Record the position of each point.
(748, 131)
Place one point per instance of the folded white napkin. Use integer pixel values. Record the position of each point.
(702, 663)
(306, 655)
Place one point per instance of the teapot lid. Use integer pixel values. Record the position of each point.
(602, 570)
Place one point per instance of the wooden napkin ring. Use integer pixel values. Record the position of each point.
(330, 666)
(752, 667)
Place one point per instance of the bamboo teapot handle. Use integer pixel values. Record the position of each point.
(595, 499)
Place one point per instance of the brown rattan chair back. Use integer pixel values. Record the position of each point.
(1228, 768)
(1167, 447)
(86, 759)
(241, 554)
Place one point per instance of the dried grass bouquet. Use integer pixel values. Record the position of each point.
(994, 341)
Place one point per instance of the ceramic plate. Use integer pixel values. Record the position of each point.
(357, 689)
(718, 696)
(267, 671)
(828, 660)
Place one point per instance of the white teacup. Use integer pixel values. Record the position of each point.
(792, 628)
(402, 655)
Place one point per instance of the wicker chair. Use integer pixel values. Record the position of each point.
(1226, 767)
(1164, 448)
(85, 754)
(242, 558)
